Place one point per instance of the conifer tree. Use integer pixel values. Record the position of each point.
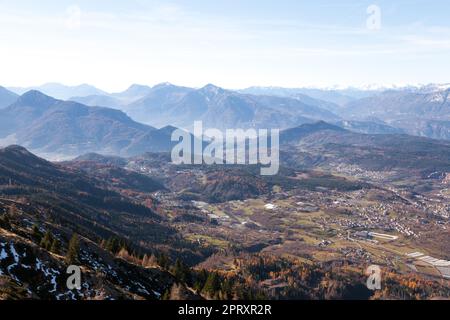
(47, 241)
(55, 248)
(5, 222)
(145, 261)
(166, 295)
(72, 256)
(152, 261)
(36, 234)
(178, 292)
(212, 284)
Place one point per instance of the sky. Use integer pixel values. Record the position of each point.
(234, 44)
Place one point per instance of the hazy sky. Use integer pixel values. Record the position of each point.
(113, 43)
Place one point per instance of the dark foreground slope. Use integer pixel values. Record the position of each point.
(42, 205)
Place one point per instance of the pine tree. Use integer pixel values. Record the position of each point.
(47, 241)
(182, 272)
(226, 289)
(166, 295)
(56, 246)
(178, 292)
(124, 254)
(178, 270)
(36, 234)
(72, 252)
(12, 210)
(197, 286)
(212, 284)
(152, 261)
(145, 261)
(5, 222)
(164, 261)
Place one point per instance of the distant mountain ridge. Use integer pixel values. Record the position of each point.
(324, 145)
(369, 127)
(60, 91)
(7, 97)
(163, 104)
(114, 100)
(52, 126)
(392, 105)
(418, 112)
(339, 97)
(221, 108)
(296, 134)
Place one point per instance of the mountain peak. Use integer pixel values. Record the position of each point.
(212, 89)
(34, 98)
(306, 129)
(16, 152)
(63, 92)
(135, 86)
(162, 85)
(211, 86)
(136, 90)
(15, 148)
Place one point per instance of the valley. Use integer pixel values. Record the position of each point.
(215, 159)
(348, 195)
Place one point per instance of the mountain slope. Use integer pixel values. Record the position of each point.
(151, 107)
(392, 105)
(324, 145)
(220, 108)
(39, 198)
(336, 97)
(133, 93)
(60, 91)
(369, 127)
(75, 197)
(115, 100)
(28, 271)
(98, 101)
(6, 97)
(47, 125)
(294, 135)
(418, 112)
(435, 129)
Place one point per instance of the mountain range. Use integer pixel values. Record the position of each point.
(335, 96)
(216, 107)
(330, 146)
(142, 227)
(60, 91)
(416, 110)
(418, 113)
(393, 105)
(62, 129)
(50, 126)
(422, 111)
(114, 100)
